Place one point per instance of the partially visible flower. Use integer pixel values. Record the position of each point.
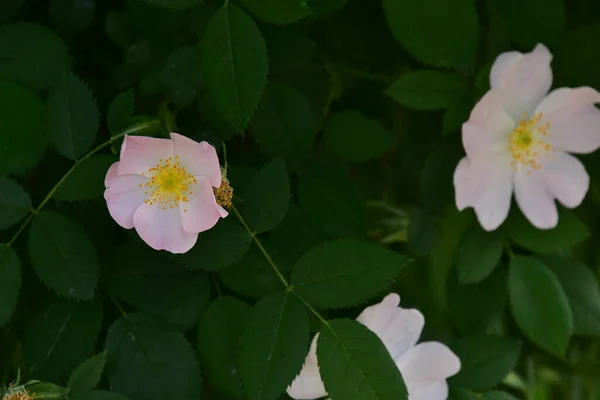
(424, 366)
(164, 189)
(520, 136)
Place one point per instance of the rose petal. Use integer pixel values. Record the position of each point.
(566, 179)
(522, 81)
(428, 362)
(111, 174)
(199, 159)
(308, 383)
(574, 119)
(437, 390)
(141, 153)
(201, 212)
(535, 200)
(162, 229)
(124, 196)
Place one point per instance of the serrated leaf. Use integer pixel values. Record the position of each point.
(273, 345)
(435, 32)
(173, 4)
(10, 282)
(14, 203)
(267, 197)
(72, 117)
(569, 232)
(218, 248)
(63, 256)
(121, 108)
(234, 64)
(345, 272)
(181, 75)
(100, 395)
(354, 363)
(356, 138)
(278, 12)
(21, 128)
(59, 336)
(218, 335)
(87, 180)
(581, 287)
(87, 375)
(479, 253)
(32, 55)
(48, 391)
(284, 124)
(485, 360)
(116, 26)
(147, 361)
(539, 305)
(427, 90)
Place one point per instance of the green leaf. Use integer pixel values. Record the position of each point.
(355, 137)
(539, 305)
(218, 335)
(10, 282)
(60, 335)
(32, 55)
(457, 113)
(14, 203)
(273, 345)
(218, 248)
(100, 395)
(479, 253)
(147, 361)
(436, 32)
(530, 22)
(116, 26)
(581, 287)
(427, 90)
(323, 8)
(575, 60)
(354, 363)
(485, 360)
(120, 110)
(569, 232)
(87, 180)
(234, 64)
(497, 395)
(267, 197)
(21, 128)
(284, 124)
(72, 117)
(48, 391)
(181, 75)
(345, 272)
(173, 4)
(87, 375)
(278, 12)
(62, 255)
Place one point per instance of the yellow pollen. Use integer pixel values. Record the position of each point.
(224, 194)
(169, 184)
(18, 396)
(527, 143)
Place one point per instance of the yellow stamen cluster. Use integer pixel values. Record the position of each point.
(224, 194)
(169, 184)
(527, 143)
(18, 396)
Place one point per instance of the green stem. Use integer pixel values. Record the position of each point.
(509, 250)
(62, 180)
(123, 313)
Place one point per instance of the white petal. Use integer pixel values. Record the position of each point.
(308, 383)
(522, 81)
(124, 196)
(566, 179)
(111, 173)
(201, 211)
(574, 119)
(535, 200)
(140, 153)
(437, 390)
(428, 362)
(200, 159)
(399, 329)
(461, 184)
(163, 229)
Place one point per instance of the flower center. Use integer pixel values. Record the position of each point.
(527, 143)
(169, 184)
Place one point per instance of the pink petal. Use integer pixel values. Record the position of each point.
(399, 329)
(199, 159)
(485, 185)
(488, 127)
(437, 390)
(162, 229)
(574, 119)
(522, 80)
(308, 383)
(123, 196)
(428, 362)
(111, 173)
(535, 200)
(140, 153)
(201, 212)
(566, 179)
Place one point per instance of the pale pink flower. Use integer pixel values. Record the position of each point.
(164, 189)
(424, 366)
(520, 136)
